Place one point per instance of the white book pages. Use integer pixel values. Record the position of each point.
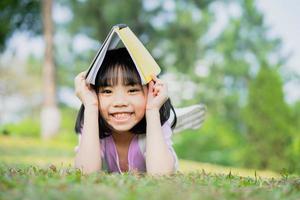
(110, 43)
(190, 117)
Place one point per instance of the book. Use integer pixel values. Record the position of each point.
(144, 62)
(190, 117)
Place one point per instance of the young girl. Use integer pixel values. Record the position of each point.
(129, 118)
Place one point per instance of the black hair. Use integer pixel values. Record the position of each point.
(119, 61)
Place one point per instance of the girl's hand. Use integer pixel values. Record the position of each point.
(157, 94)
(84, 91)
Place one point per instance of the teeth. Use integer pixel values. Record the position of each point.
(121, 116)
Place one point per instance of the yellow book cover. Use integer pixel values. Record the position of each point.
(144, 62)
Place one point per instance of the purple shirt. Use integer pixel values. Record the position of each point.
(136, 152)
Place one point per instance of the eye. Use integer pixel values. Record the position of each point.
(105, 91)
(134, 90)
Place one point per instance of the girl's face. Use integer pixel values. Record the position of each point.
(122, 106)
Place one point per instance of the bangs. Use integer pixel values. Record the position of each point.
(113, 74)
(117, 66)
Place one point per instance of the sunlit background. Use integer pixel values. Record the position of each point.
(241, 59)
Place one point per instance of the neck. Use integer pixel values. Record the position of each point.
(122, 137)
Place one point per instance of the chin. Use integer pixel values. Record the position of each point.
(122, 128)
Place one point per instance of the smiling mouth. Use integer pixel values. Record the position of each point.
(124, 116)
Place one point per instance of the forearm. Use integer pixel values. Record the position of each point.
(159, 159)
(88, 157)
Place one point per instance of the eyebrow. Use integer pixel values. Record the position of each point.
(106, 85)
(131, 84)
(126, 85)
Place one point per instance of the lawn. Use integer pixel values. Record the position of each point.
(33, 169)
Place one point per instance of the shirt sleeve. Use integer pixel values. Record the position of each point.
(167, 132)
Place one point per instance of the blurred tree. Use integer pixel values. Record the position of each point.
(21, 15)
(236, 55)
(268, 122)
(179, 38)
(50, 116)
(100, 16)
(25, 15)
(16, 16)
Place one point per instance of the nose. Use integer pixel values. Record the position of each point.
(120, 99)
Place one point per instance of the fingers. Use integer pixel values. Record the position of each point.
(157, 81)
(157, 86)
(80, 83)
(157, 93)
(153, 90)
(80, 77)
(151, 84)
(156, 89)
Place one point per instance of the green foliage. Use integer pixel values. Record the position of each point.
(27, 127)
(32, 182)
(30, 126)
(100, 16)
(180, 42)
(241, 49)
(268, 122)
(22, 15)
(215, 142)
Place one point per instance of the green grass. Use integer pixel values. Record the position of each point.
(27, 150)
(33, 182)
(60, 151)
(31, 168)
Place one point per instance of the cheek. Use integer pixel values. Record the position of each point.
(141, 104)
(103, 106)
